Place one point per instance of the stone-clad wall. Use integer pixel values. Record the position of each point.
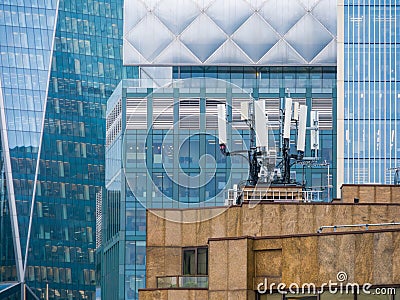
(366, 257)
(231, 269)
(371, 193)
(261, 220)
(165, 239)
(172, 294)
(238, 265)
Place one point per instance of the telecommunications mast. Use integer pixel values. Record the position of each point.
(263, 171)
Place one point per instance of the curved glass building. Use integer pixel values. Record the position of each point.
(60, 61)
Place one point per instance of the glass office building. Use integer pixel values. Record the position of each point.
(27, 31)
(157, 138)
(370, 87)
(61, 60)
(192, 56)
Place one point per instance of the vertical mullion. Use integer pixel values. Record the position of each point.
(383, 124)
(395, 84)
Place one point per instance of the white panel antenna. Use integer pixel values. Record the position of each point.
(222, 123)
(301, 134)
(261, 124)
(315, 133)
(244, 110)
(288, 118)
(296, 111)
(296, 106)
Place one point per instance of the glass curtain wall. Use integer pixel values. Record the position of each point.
(86, 67)
(141, 159)
(371, 91)
(27, 31)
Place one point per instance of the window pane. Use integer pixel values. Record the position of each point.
(377, 294)
(270, 296)
(329, 296)
(202, 261)
(189, 265)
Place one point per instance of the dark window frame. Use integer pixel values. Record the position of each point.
(196, 262)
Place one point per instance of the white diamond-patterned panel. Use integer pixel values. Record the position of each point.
(160, 37)
(316, 37)
(175, 18)
(203, 37)
(230, 17)
(309, 4)
(282, 14)
(229, 32)
(255, 37)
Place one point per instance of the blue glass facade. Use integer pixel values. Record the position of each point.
(27, 31)
(155, 137)
(62, 95)
(313, 86)
(371, 90)
(86, 68)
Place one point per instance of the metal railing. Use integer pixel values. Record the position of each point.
(335, 227)
(259, 195)
(275, 196)
(182, 281)
(313, 196)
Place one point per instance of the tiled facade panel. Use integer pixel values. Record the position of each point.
(219, 32)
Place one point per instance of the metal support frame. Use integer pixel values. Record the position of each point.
(10, 190)
(335, 227)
